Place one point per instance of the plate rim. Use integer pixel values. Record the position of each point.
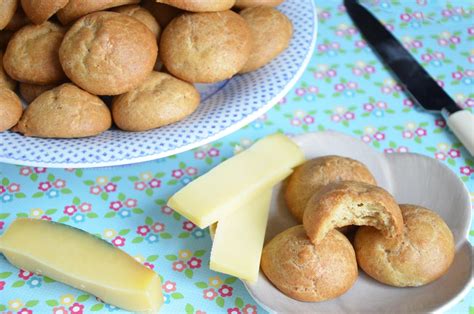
(234, 127)
(464, 240)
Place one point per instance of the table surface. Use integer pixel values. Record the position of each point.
(344, 88)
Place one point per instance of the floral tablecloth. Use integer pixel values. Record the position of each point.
(344, 88)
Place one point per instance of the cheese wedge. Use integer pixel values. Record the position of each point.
(81, 260)
(238, 239)
(237, 180)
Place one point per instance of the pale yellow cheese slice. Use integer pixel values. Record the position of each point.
(237, 180)
(81, 260)
(238, 239)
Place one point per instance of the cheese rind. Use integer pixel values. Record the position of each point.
(237, 180)
(238, 239)
(81, 260)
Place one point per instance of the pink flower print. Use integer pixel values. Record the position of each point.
(426, 57)
(194, 263)
(352, 85)
(366, 139)
(233, 310)
(397, 87)
(382, 105)
(166, 210)
(140, 186)
(115, 205)
(2, 285)
(442, 42)
(417, 44)
(59, 184)
(85, 207)
(209, 294)
(402, 149)
(96, 190)
(40, 170)
(154, 183)
(465, 170)
(250, 309)
(331, 73)
(335, 45)
(405, 17)
(70, 210)
(313, 89)
(131, 202)
(118, 241)
(158, 227)
(76, 308)
(24, 274)
(169, 286)
(440, 83)
(179, 266)
(25, 171)
(440, 155)
(469, 102)
(150, 266)
(339, 87)
(369, 69)
(418, 15)
(60, 310)
(446, 13)
(25, 311)
(389, 150)
(322, 47)
(470, 30)
(188, 226)
(13, 188)
(191, 171)
(143, 230)
(457, 75)
(440, 122)
(110, 187)
(386, 89)
(318, 75)
(454, 153)
(379, 136)
(44, 217)
(349, 115)
(420, 132)
(213, 152)
(300, 91)
(308, 119)
(199, 155)
(2, 224)
(336, 118)
(408, 102)
(2, 189)
(407, 134)
(225, 291)
(455, 40)
(295, 122)
(177, 173)
(360, 44)
(44, 186)
(357, 71)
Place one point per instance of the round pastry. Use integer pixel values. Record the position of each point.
(271, 33)
(199, 5)
(347, 203)
(308, 272)
(308, 178)
(242, 4)
(163, 13)
(39, 11)
(425, 253)
(5, 80)
(78, 8)
(29, 92)
(7, 9)
(141, 15)
(108, 53)
(160, 100)
(19, 19)
(32, 54)
(205, 47)
(65, 112)
(10, 109)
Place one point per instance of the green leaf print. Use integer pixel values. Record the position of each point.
(21, 215)
(201, 285)
(121, 197)
(183, 235)
(133, 178)
(63, 219)
(31, 303)
(239, 303)
(199, 253)
(5, 181)
(104, 196)
(116, 179)
(83, 298)
(18, 283)
(171, 257)
(5, 274)
(220, 301)
(38, 194)
(124, 232)
(66, 191)
(230, 280)
(189, 273)
(149, 220)
(110, 215)
(152, 258)
(52, 302)
(92, 215)
(137, 210)
(76, 201)
(34, 177)
(2, 307)
(177, 295)
(46, 279)
(137, 240)
(149, 192)
(189, 309)
(166, 235)
(79, 173)
(97, 307)
(51, 177)
(4, 215)
(159, 175)
(20, 195)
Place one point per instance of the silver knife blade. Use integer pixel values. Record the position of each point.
(423, 88)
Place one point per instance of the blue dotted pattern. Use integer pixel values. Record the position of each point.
(224, 105)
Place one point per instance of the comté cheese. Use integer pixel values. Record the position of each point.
(79, 259)
(237, 180)
(238, 239)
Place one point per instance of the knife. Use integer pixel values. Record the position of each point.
(417, 82)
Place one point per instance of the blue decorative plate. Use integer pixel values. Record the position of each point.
(225, 107)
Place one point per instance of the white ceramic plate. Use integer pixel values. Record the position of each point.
(225, 107)
(411, 178)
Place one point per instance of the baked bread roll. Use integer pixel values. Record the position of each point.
(200, 5)
(205, 47)
(32, 54)
(271, 34)
(242, 4)
(29, 92)
(308, 178)
(39, 11)
(10, 109)
(308, 272)
(5, 80)
(425, 253)
(352, 203)
(160, 100)
(65, 112)
(108, 53)
(142, 15)
(18, 20)
(76, 9)
(7, 9)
